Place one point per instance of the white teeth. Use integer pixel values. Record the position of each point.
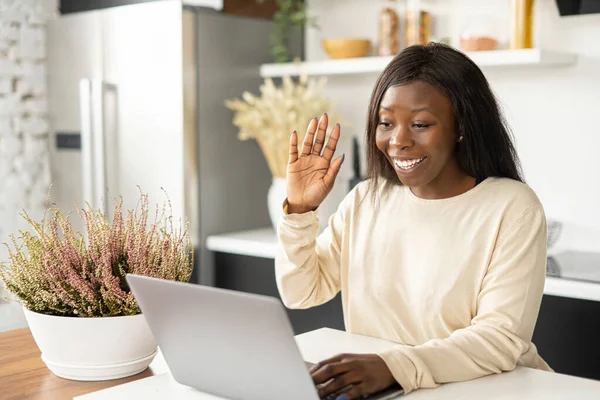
(407, 164)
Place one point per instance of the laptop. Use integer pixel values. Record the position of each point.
(230, 344)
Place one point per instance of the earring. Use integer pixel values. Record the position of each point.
(460, 139)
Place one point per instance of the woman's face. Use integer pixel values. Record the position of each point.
(417, 135)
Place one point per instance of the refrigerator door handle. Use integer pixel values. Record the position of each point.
(98, 146)
(87, 145)
(106, 140)
(93, 142)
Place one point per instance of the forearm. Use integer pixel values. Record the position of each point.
(306, 265)
(467, 354)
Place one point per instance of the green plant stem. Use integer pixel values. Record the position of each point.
(289, 14)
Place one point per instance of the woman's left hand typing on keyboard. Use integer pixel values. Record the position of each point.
(351, 376)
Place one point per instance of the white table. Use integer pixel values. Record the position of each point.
(522, 383)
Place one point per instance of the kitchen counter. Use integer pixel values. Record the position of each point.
(570, 274)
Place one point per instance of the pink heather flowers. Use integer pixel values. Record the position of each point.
(56, 271)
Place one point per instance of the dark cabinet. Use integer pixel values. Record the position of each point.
(71, 6)
(567, 335)
(257, 275)
(247, 8)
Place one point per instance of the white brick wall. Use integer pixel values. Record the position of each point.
(24, 151)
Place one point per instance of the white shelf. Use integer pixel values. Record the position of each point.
(255, 243)
(369, 65)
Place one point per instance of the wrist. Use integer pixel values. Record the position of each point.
(291, 208)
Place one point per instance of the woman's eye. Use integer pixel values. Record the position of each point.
(384, 124)
(421, 125)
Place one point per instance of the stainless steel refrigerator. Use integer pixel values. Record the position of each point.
(143, 87)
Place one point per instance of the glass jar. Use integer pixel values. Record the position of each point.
(417, 23)
(389, 29)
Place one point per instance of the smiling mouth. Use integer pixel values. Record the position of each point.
(407, 165)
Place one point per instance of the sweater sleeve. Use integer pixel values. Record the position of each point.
(307, 265)
(501, 331)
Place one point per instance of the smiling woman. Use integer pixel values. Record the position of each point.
(447, 259)
(434, 99)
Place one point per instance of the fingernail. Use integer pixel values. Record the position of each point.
(343, 157)
(342, 397)
(294, 131)
(324, 114)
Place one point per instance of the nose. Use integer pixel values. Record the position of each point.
(401, 137)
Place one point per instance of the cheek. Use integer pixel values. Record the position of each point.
(442, 143)
(382, 140)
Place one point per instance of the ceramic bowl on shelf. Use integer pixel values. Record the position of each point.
(481, 33)
(346, 47)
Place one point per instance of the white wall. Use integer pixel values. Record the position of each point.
(553, 111)
(24, 165)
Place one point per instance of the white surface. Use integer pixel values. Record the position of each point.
(364, 65)
(523, 383)
(256, 243)
(112, 348)
(275, 197)
(573, 289)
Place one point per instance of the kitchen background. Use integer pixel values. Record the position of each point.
(551, 109)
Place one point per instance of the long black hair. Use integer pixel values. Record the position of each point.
(486, 150)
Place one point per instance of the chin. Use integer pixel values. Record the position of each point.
(414, 178)
(411, 181)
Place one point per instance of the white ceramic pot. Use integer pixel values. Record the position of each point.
(278, 192)
(93, 349)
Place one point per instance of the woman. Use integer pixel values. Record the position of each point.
(442, 250)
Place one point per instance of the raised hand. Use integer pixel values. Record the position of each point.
(311, 173)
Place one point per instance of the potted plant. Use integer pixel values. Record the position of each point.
(81, 312)
(270, 119)
(290, 15)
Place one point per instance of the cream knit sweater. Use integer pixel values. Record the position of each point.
(456, 282)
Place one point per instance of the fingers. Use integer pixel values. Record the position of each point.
(320, 139)
(340, 383)
(293, 147)
(336, 358)
(334, 169)
(332, 142)
(308, 138)
(330, 370)
(356, 392)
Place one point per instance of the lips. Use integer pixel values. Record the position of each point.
(407, 164)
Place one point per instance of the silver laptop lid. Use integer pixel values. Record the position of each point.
(231, 344)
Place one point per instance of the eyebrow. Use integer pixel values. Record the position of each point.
(416, 110)
(421, 109)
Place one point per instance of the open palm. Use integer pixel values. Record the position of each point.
(311, 173)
